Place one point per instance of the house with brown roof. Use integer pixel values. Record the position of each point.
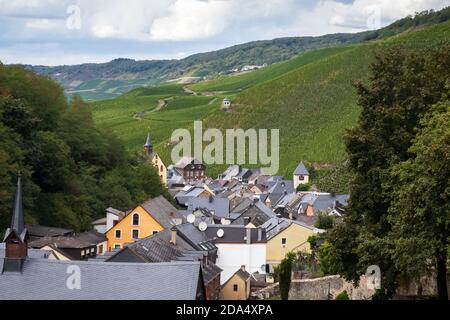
(237, 287)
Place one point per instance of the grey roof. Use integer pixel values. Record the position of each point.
(44, 279)
(257, 214)
(234, 234)
(116, 212)
(220, 206)
(301, 170)
(60, 242)
(322, 201)
(158, 248)
(196, 238)
(148, 143)
(44, 231)
(162, 211)
(17, 222)
(93, 237)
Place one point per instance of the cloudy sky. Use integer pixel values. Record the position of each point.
(55, 32)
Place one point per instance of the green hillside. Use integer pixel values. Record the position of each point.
(310, 98)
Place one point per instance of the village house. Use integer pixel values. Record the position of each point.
(238, 246)
(156, 160)
(30, 274)
(283, 236)
(238, 286)
(146, 219)
(187, 170)
(301, 175)
(69, 247)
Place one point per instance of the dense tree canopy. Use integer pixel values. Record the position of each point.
(72, 170)
(403, 88)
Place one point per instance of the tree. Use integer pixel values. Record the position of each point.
(420, 210)
(324, 221)
(403, 87)
(285, 274)
(326, 259)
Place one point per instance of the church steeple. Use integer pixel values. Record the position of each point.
(148, 146)
(16, 237)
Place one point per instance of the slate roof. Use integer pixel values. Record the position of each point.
(162, 211)
(60, 242)
(44, 279)
(17, 221)
(188, 192)
(234, 234)
(220, 206)
(257, 214)
(301, 170)
(43, 231)
(93, 237)
(196, 238)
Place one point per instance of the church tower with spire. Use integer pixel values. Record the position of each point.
(148, 146)
(155, 159)
(16, 236)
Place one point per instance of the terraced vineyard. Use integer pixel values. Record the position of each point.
(310, 98)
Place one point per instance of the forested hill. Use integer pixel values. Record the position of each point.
(71, 170)
(108, 80)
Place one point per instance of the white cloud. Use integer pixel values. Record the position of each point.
(192, 20)
(186, 25)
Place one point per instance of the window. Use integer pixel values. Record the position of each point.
(118, 234)
(100, 249)
(135, 234)
(135, 219)
(301, 178)
(161, 169)
(235, 287)
(154, 232)
(117, 246)
(283, 241)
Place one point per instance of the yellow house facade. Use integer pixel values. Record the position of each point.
(160, 167)
(145, 220)
(237, 287)
(294, 238)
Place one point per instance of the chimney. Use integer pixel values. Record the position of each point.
(173, 236)
(249, 235)
(259, 234)
(16, 237)
(291, 216)
(243, 267)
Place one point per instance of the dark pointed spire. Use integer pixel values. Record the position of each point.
(148, 143)
(148, 146)
(17, 223)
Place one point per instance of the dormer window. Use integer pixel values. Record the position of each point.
(135, 219)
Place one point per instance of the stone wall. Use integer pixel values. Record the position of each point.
(328, 288)
(266, 293)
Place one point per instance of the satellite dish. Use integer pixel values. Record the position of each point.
(202, 226)
(191, 218)
(220, 233)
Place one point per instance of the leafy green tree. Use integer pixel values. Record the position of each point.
(324, 221)
(420, 210)
(402, 89)
(71, 170)
(326, 260)
(285, 274)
